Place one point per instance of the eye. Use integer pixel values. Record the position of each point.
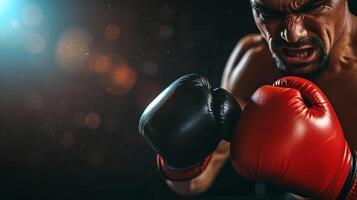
(266, 15)
(317, 6)
(314, 7)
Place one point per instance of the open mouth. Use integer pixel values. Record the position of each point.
(299, 56)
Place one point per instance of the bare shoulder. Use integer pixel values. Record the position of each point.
(249, 66)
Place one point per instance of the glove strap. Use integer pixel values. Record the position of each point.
(185, 174)
(349, 190)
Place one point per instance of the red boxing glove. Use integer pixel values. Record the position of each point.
(184, 174)
(289, 135)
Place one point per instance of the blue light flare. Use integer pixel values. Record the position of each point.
(15, 34)
(10, 10)
(2, 5)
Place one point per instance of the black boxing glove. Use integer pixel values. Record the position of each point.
(185, 123)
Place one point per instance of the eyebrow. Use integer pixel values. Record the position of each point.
(311, 4)
(262, 7)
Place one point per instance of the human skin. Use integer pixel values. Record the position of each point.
(258, 60)
(329, 21)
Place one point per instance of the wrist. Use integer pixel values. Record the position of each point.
(181, 174)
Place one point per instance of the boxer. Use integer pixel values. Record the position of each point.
(314, 39)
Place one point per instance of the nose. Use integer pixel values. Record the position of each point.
(294, 30)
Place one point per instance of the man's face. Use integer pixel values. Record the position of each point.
(300, 33)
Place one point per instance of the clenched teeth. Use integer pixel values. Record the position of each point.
(300, 54)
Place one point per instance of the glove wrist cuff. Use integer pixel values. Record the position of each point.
(179, 174)
(353, 193)
(349, 190)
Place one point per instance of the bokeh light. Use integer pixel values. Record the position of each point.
(72, 53)
(32, 15)
(124, 77)
(35, 43)
(102, 64)
(92, 120)
(112, 32)
(67, 139)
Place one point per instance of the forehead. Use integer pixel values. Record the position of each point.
(282, 4)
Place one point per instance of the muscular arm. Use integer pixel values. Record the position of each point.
(244, 72)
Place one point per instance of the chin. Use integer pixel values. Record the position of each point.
(303, 70)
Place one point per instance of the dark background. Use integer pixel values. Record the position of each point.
(70, 107)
